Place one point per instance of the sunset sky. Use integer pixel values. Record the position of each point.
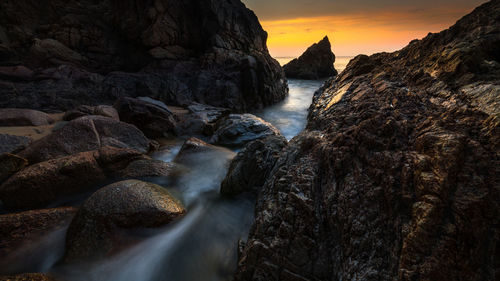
(354, 26)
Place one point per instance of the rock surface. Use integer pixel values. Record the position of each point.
(154, 120)
(193, 146)
(59, 56)
(85, 110)
(28, 277)
(97, 229)
(315, 63)
(16, 117)
(240, 129)
(396, 176)
(13, 144)
(201, 120)
(85, 134)
(251, 166)
(10, 164)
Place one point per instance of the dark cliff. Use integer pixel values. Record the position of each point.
(397, 176)
(57, 54)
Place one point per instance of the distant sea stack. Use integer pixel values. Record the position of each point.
(57, 56)
(315, 63)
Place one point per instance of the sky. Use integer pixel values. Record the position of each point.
(354, 26)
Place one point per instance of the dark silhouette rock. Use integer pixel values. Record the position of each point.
(98, 228)
(236, 130)
(251, 166)
(152, 118)
(10, 164)
(396, 175)
(28, 277)
(92, 53)
(201, 120)
(85, 110)
(85, 134)
(315, 63)
(13, 144)
(15, 117)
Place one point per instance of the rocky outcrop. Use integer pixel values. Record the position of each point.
(315, 63)
(396, 176)
(99, 227)
(154, 119)
(16, 117)
(236, 130)
(13, 144)
(58, 55)
(85, 134)
(251, 166)
(85, 110)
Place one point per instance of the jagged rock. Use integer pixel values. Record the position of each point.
(251, 166)
(84, 110)
(315, 63)
(85, 134)
(28, 277)
(240, 129)
(92, 53)
(23, 117)
(154, 119)
(396, 175)
(13, 144)
(10, 164)
(99, 227)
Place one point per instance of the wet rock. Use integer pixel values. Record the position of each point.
(21, 235)
(153, 118)
(251, 166)
(396, 175)
(23, 117)
(149, 168)
(10, 164)
(85, 134)
(315, 63)
(210, 52)
(201, 120)
(85, 110)
(239, 129)
(99, 227)
(191, 147)
(28, 277)
(13, 144)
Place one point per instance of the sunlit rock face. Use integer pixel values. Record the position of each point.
(396, 176)
(59, 54)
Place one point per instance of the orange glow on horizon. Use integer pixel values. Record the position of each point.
(357, 33)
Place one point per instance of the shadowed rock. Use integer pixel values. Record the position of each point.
(315, 63)
(28, 277)
(23, 117)
(10, 164)
(13, 144)
(85, 110)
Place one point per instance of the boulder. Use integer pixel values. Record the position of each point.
(201, 120)
(191, 147)
(252, 165)
(16, 117)
(25, 243)
(28, 277)
(85, 134)
(315, 63)
(236, 130)
(62, 179)
(10, 164)
(13, 144)
(98, 228)
(153, 118)
(84, 110)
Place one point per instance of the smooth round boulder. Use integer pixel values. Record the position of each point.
(193, 146)
(17, 117)
(85, 134)
(236, 130)
(85, 110)
(99, 229)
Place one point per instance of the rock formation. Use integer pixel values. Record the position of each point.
(397, 174)
(56, 55)
(315, 63)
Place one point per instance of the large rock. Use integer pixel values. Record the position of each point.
(315, 63)
(10, 164)
(16, 117)
(85, 134)
(154, 119)
(28, 277)
(27, 239)
(201, 120)
(98, 228)
(193, 146)
(88, 52)
(396, 176)
(13, 144)
(85, 110)
(62, 179)
(236, 130)
(251, 166)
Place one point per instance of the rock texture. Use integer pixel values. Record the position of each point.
(16, 117)
(28, 277)
(13, 144)
(85, 134)
(97, 229)
(10, 164)
(315, 63)
(397, 174)
(56, 55)
(85, 110)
